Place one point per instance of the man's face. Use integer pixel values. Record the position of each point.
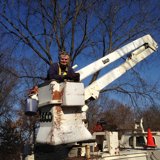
(64, 60)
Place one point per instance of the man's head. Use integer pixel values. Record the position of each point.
(64, 58)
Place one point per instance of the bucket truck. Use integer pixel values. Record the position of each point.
(61, 104)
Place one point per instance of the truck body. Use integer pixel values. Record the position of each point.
(61, 105)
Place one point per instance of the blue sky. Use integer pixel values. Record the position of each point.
(147, 69)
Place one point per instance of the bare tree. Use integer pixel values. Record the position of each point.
(43, 25)
(115, 114)
(85, 28)
(150, 116)
(81, 27)
(121, 23)
(7, 82)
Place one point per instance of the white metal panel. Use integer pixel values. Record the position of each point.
(73, 94)
(50, 93)
(66, 127)
(113, 143)
(66, 93)
(128, 155)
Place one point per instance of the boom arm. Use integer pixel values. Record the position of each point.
(92, 91)
(60, 104)
(106, 60)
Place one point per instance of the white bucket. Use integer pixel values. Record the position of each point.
(31, 107)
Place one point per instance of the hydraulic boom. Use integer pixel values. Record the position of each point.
(93, 90)
(61, 104)
(108, 59)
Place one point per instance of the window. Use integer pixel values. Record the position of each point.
(140, 142)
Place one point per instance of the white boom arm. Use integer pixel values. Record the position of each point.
(147, 48)
(106, 60)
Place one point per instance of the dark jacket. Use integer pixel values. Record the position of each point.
(53, 73)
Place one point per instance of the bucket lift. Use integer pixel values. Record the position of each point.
(60, 104)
